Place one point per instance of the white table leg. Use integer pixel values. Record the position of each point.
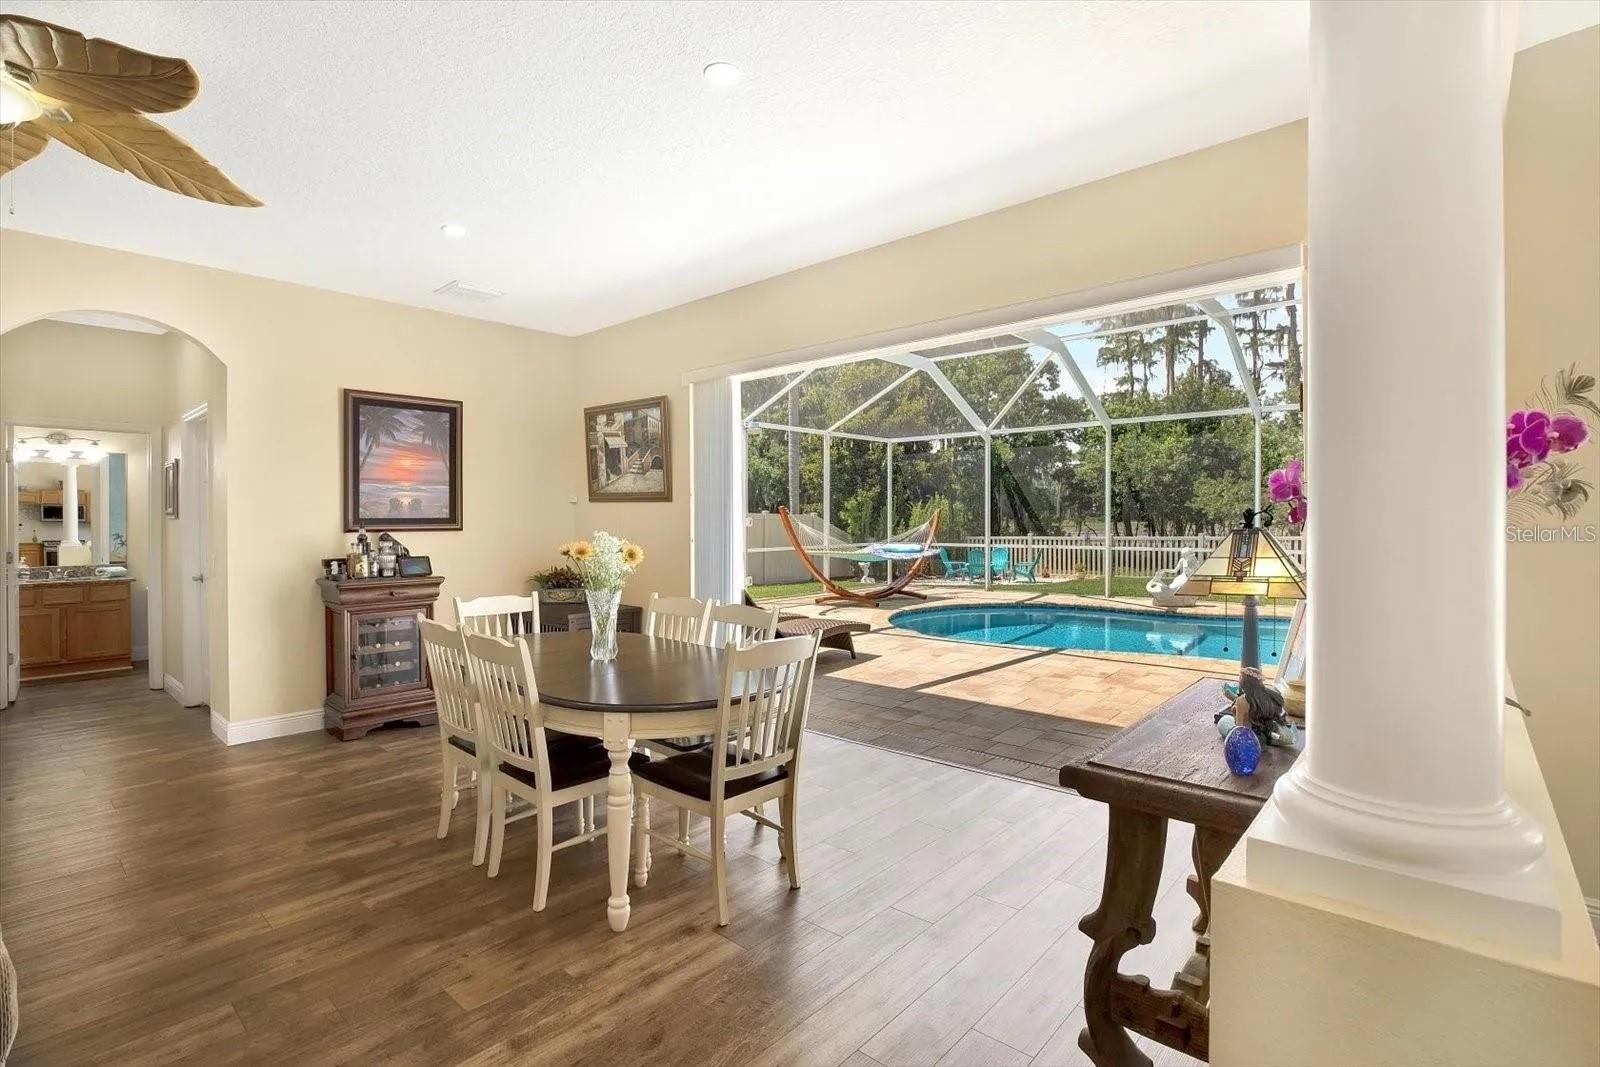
(641, 840)
(619, 818)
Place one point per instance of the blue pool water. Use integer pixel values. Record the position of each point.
(1092, 629)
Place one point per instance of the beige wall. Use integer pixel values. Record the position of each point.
(288, 352)
(1229, 200)
(1553, 321)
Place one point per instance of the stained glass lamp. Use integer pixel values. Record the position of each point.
(1249, 564)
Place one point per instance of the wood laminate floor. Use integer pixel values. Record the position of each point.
(168, 899)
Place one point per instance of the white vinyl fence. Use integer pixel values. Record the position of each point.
(1059, 557)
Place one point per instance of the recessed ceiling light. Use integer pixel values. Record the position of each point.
(453, 229)
(722, 75)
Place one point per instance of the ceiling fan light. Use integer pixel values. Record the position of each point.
(16, 103)
(93, 454)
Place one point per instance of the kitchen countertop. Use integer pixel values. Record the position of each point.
(40, 576)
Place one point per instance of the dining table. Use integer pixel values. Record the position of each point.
(655, 688)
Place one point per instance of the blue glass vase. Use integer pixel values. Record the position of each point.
(1242, 750)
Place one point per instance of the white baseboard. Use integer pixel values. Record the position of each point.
(247, 730)
(173, 687)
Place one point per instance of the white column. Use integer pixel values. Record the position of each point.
(100, 511)
(1398, 802)
(69, 504)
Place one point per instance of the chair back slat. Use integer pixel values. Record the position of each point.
(508, 703)
(499, 616)
(678, 618)
(766, 694)
(451, 678)
(739, 624)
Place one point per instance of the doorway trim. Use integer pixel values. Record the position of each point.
(195, 554)
(154, 577)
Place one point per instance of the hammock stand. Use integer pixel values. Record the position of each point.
(868, 597)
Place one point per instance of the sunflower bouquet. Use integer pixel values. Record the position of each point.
(604, 561)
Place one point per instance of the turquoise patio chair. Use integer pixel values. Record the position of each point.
(952, 569)
(1025, 569)
(1000, 562)
(975, 562)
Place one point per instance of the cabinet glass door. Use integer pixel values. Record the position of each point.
(387, 653)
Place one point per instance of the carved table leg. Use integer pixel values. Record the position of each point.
(619, 811)
(1134, 846)
(1210, 848)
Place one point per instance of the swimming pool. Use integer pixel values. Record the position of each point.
(1091, 629)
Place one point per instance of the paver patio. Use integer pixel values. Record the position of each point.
(1020, 712)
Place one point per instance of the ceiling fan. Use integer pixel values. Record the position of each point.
(92, 95)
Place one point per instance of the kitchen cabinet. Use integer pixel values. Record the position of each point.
(31, 553)
(28, 497)
(82, 627)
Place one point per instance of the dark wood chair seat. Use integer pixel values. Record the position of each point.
(690, 774)
(574, 766)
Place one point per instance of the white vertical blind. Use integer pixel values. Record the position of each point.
(716, 492)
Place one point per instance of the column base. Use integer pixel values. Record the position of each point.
(1482, 875)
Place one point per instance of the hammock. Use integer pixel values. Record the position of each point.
(915, 545)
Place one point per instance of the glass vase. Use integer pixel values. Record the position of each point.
(603, 605)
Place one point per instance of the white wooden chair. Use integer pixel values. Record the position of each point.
(521, 762)
(499, 616)
(739, 624)
(766, 694)
(677, 618)
(459, 746)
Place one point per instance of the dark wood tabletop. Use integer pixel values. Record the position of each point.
(1170, 764)
(649, 674)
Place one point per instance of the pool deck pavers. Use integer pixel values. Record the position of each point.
(1020, 712)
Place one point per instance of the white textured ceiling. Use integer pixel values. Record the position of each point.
(602, 178)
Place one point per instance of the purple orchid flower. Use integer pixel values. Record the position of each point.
(1297, 510)
(1286, 483)
(1527, 437)
(1567, 432)
(1513, 477)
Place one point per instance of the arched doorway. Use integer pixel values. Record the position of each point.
(158, 393)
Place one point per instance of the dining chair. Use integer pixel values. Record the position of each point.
(739, 624)
(459, 746)
(522, 763)
(766, 694)
(677, 618)
(499, 616)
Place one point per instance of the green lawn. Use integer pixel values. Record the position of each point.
(1122, 585)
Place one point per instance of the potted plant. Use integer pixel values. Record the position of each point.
(558, 585)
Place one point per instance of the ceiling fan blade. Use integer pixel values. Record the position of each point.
(65, 64)
(148, 151)
(20, 143)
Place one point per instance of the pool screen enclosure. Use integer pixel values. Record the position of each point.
(1091, 443)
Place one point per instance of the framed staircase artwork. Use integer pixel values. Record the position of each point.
(628, 451)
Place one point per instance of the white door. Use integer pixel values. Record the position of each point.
(194, 519)
(8, 616)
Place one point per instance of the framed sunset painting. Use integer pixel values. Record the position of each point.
(402, 462)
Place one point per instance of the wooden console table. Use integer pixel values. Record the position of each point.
(1167, 766)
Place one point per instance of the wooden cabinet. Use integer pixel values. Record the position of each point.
(31, 553)
(68, 628)
(376, 670)
(29, 497)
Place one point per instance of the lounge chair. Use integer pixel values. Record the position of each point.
(1000, 562)
(952, 569)
(1025, 569)
(975, 564)
(836, 633)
